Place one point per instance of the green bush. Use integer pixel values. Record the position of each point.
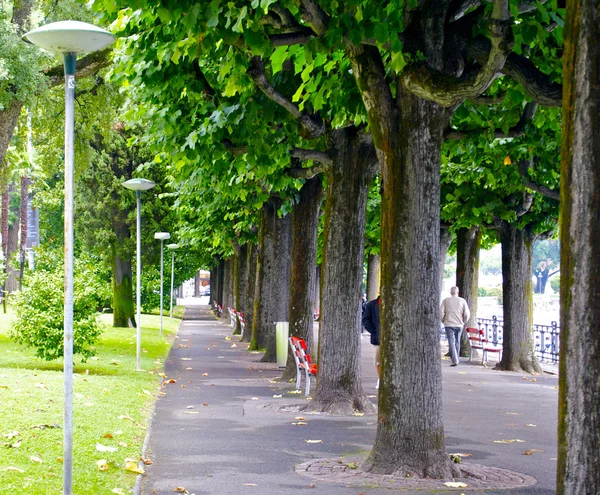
(40, 311)
(482, 292)
(555, 283)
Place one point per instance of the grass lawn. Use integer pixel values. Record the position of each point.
(111, 407)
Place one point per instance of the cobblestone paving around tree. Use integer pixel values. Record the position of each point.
(347, 471)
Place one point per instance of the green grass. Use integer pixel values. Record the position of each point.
(111, 406)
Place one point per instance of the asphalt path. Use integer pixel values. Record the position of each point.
(223, 423)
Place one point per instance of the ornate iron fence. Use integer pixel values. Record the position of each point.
(546, 337)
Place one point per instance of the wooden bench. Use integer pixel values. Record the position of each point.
(478, 340)
(304, 364)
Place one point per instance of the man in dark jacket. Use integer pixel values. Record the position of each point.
(370, 320)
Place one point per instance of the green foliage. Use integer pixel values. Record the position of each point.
(40, 310)
(482, 292)
(547, 250)
(555, 283)
(495, 292)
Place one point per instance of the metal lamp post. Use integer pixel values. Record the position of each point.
(163, 236)
(138, 185)
(69, 38)
(172, 247)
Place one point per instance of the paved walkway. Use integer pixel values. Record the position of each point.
(220, 429)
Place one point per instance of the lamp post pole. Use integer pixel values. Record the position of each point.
(69, 38)
(162, 236)
(138, 185)
(172, 247)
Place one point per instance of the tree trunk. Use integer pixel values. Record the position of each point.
(8, 121)
(372, 276)
(239, 262)
(517, 295)
(13, 244)
(305, 226)
(445, 241)
(261, 319)
(410, 432)
(468, 244)
(227, 289)
(197, 284)
(579, 391)
(23, 241)
(250, 281)
(339, 387)
(221, 283)
(123, 304)
(279, 283)
(213, 285)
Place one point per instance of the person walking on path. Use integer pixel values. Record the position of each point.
(370, 321)
(455, 314)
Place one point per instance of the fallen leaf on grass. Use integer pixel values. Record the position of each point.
(41, 385)
(107, 435)
(313, 441)
(509, 441)
(147, 392)
(132, 465)
(102, 465)
(123, 444)
(35, 458)
(11, 468)
(125, 416)
(455, 484)
(11, 434)
(105, 448)
(15, 445)
(118, 491)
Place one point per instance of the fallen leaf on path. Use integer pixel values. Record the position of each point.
(455, 484)
(533, 380)
(184, 346)
(295, 392)
(249, 484)
(186, 359)
(277, 396)
(313, 441)
(358, 413)
(205, 403)
(146, 461)
(233, 345)
(513, 414)
(461, 373)
(192, 412)
(510, 441)
(180, 489)
(162, 375)
(105, 448)
(300, 418)
(254, 398)
(188, 369)
(300, 423)
(531, 451)
(204, 374)
(460, 454)
(531, 425)
(183, 386)
(190, 407)
(166, 382)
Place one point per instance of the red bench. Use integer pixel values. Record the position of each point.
(304, 364)
(478, 340)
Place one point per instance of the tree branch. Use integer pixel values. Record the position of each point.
(311, 126)
(431, 84)
(488, 100)
(234, 149)
(293, 38)
(524, 167)
(305, 173)
(314, 155)
(515, 131)
(313, 16)
(86, 66)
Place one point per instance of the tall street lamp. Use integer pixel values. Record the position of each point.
(172, 247)
(138, 185)
(163, 236)
(69, 38)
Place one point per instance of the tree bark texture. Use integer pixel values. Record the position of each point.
(339, 387)
(8, 121)
(12, 245)
(250, 282)
(579, 390)
(410, 432)
(197, 285)
(261, 321)
(517, 295)
(23, 227)
(468, 244)
(213, 285)
(279, 283)
(305, 226)
(239, 284)
(221, 283)
(372, 276)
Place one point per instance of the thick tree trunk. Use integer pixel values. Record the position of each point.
(410, 432)
(250, 282)
(517, 295)
(261, 321)
(305, 226)
(372, 276)
(468, 244)
(579, 391)
(279, 284)
(339, 387)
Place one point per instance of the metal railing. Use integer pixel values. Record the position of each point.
(546, 337)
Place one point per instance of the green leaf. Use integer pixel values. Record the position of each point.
(277, 58)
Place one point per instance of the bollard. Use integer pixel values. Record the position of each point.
(281, 342)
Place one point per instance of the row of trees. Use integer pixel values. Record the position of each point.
(256, 107)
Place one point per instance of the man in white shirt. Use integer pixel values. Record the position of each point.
(455, 314)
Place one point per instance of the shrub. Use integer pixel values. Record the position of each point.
(482, 292)
(495, 292)
(555, 283)
(40, 313)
